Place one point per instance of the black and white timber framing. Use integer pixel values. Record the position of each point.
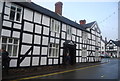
(34, 36)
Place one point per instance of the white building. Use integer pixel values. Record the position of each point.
(35, 36)
(112, 48)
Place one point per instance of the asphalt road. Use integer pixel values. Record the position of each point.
(104, 71)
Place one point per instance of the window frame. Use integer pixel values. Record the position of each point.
(16, 13)
(10, 44)
(54, 53)
(55, 26)
(69, 30)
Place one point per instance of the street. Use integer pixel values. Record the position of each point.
(107, 70)
(104, 71)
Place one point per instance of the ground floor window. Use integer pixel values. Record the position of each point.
(53, 50)
(10, 45)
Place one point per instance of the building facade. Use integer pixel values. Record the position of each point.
(112, 48)
(35, 36)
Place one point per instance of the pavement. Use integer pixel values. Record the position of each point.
(18, 73)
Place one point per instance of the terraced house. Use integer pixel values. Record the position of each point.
(35, 36)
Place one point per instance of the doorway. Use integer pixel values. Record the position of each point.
(69, 47)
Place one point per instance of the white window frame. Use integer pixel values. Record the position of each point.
(16, 7)
(84, 52)
(12, 44)
(69, 30)
(54, 53)
(55, 26)
(85, 35)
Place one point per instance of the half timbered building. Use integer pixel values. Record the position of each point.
(35, 36)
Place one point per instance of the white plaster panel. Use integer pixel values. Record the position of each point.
(53, 34)
(16, 34)
(45, 30)
(26, 16)
(17, 26)
(55, 61)
(77, 52)
(37, 18)
(44, 51)
(77, 60)
(62, 43)
(63, 35)
(28, 26)
(43, 60)
(13, 63)
(61, 60)
(73, 37)
(27, 38)
(24, 49)
(1, 7)
(52, 40)
(73, 30)
(50, 61)
(63, 27)
(45, 41)
(7, 10)
(7, 23)
(45, 20)
(6, 32)
(6, 17)
(36, 50)
(79, 32)
(25, 62)
(57, 41)
(61, 52)
(37, 39)
(77, 46)
(35, 61)
(69, 37)
(38, 29)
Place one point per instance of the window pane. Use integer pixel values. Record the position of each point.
(4, 40)
(15, 41)
(15, 51)
(18, 9)
(13, 8)
(10, 50)
(12, 15)
(18, 17)
(10, 40)
(4, 46)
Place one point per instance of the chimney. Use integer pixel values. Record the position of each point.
(58, 8)
(82, 21)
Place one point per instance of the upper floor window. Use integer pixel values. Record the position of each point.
(69, 30)
(15, 13)
(53, 50)
(55, 26)
(85, 36)
(10, 45)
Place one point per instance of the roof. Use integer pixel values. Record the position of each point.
(49, 13)
(88, 25)
(117, 43)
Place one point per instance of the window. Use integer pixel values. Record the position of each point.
(85, 35)
(53, 50)
(84, 52)
(10, 45)
(69, 30)
(55, 26)
(15, 13)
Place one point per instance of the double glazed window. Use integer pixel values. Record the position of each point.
(55, 26)
(10, 45)
(15, 13)
(53, 50)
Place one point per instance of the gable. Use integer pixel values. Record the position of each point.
(95, 27)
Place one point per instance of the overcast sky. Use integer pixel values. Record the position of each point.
(105, 13)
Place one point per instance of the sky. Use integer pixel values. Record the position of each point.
(105, 13)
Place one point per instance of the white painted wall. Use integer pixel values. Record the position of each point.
(46, 20)
(26, 16)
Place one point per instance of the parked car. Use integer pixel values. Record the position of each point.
(105, 56)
